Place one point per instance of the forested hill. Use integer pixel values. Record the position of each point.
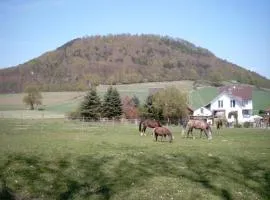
(123, 59)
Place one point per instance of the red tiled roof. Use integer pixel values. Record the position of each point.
(240, 91)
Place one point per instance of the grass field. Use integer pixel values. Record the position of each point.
(57, 159)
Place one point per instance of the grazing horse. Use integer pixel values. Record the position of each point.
(148, 123)
(219, 123)
(266, 120)
(163, 132)
(201, 125)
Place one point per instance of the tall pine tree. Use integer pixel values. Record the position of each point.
(91, 105)
(112, 107)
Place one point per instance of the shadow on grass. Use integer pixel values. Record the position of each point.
(29, 177)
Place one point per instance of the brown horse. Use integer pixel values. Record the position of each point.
(266, 120)
(219, 123)
(148, 123)
(201, 125)
(163, 132)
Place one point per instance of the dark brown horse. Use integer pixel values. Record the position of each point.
(266, 120)
(148, 123)
(201, 125)
(219, 123)
(163, 132)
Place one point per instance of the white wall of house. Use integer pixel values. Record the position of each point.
(202, 111)
(224, 102)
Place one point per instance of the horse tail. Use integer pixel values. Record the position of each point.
(140, 126)
(159, 124)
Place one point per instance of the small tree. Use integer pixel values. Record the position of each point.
(216, 78)
(129, 108)
(91, 105)
(172, 102)
(33, 97)
(112, 106)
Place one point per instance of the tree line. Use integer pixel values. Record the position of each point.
(167, 104)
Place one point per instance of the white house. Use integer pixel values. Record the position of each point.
(232, 98)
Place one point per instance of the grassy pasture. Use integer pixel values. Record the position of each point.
(57, 159)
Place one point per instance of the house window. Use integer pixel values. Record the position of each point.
(244, 102)
(246, 113)
(202, 110)
(220, 103)
(232, 103)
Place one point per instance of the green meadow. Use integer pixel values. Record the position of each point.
(60, 159)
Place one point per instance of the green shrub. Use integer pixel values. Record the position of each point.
(73, 115)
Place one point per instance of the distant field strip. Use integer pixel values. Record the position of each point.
(30, 114)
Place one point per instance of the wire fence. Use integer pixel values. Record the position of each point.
(22, 118)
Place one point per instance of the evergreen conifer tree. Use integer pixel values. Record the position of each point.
(149, 111)
(91, 105)
(112, 106)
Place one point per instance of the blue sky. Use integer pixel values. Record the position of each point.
(235, 30)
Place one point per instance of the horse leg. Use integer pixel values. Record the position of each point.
(164, 137)
(141, 133)
(209, 134)
(206, 134)
(190, 132)
(187, 134)
(171, 137)
(144, 129)
(156, 137)
(153, 133)
(193, 137)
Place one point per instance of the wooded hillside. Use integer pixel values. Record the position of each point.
(122, 59)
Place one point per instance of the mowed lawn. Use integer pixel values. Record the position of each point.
(57, 159)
